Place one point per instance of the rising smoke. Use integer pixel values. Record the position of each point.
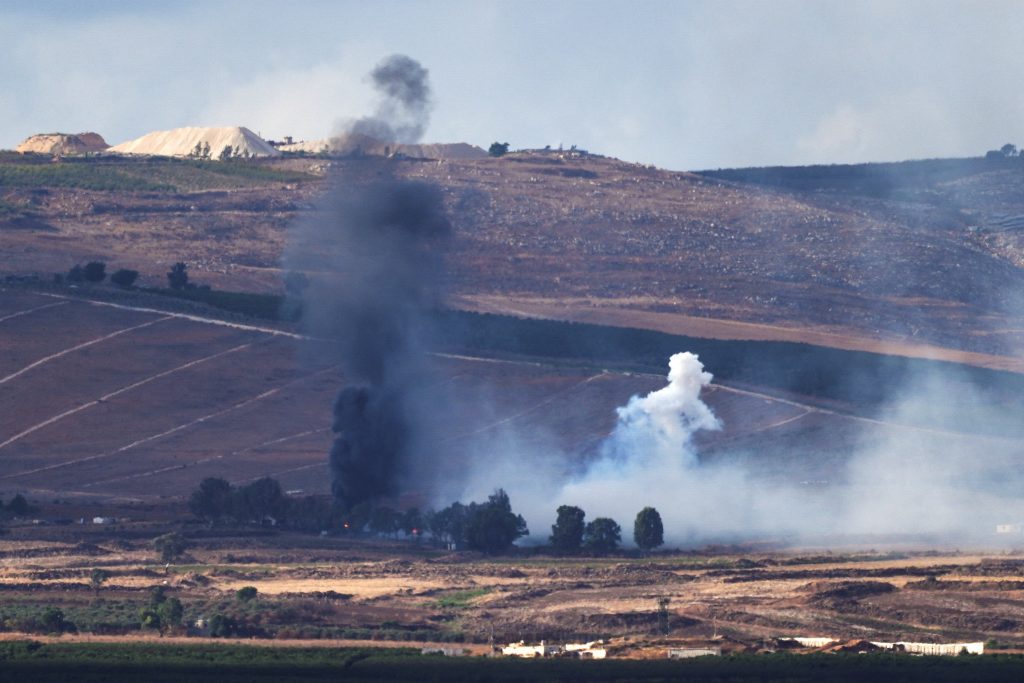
(902, 481)
(374, 253)
(404, 102)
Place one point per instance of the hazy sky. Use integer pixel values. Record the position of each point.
(684, 85)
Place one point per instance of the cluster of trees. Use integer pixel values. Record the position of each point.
(490, 527)
(1007, 151)
(569, 533)
(259, 502)
(202, 151)
(96, 271)
(498, 149)
(162, 613)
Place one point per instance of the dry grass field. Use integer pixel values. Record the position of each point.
(337, 588)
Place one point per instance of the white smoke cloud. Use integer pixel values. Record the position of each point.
(901, 481)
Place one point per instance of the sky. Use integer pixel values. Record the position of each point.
(682, 85)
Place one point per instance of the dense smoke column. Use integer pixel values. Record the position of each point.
(373, 255)
(376, 262)
(403, 109)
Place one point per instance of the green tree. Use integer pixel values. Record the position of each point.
(602, 535)
(177, 277)
(1008, 150)
(567, 531)
(246, 593)
(18, 506)
(225, 154)
(448, 525)
(648, 532)
(212, 500)
(124, 278)
(222, 626)
(260, 501)
(76, 274)
(97, 577)
(170, 546)
(53, 621)
(492, 527)
(95, 271)
(498, 149)
(169, 613)
(384, 520)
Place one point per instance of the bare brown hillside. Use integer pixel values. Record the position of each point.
(584, 237)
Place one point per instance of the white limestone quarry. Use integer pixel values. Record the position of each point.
(63, 143)
(181, 142)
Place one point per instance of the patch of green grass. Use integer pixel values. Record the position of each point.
(460, 599)
(82, 176)
(148, 175)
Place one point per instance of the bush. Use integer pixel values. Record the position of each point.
(95, 271)
(177, 277)
(246, 593)
(124, 278)
(170, 546)
(18, 506)
(498, 149)
(76, 274)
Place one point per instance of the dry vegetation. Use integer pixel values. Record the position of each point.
(337, 588)
(569, 237)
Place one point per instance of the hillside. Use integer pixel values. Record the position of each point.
(932, 270)
(101, 399)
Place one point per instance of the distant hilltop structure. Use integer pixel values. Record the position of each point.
(63, 143)
(205, 142)
(355, 144)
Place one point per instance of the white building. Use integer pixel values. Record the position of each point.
(521, 649)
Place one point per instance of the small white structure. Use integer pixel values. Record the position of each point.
(691, 652)
(591, 650)
(809, 642)
(944, 649)
(103, 520)
(521, 649)
(1009, 528)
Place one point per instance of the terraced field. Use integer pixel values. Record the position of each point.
(102, 400)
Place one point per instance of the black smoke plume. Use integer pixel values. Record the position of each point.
(403, 110)
(375, 258)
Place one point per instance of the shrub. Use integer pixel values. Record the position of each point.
(177, 277)
(76, 274)
(498, 149)
(18, 506)
(246, 593)
(124, 278)
(170, 546)
(95, 271)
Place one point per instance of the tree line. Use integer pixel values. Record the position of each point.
(95, 272)
(490, 526)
